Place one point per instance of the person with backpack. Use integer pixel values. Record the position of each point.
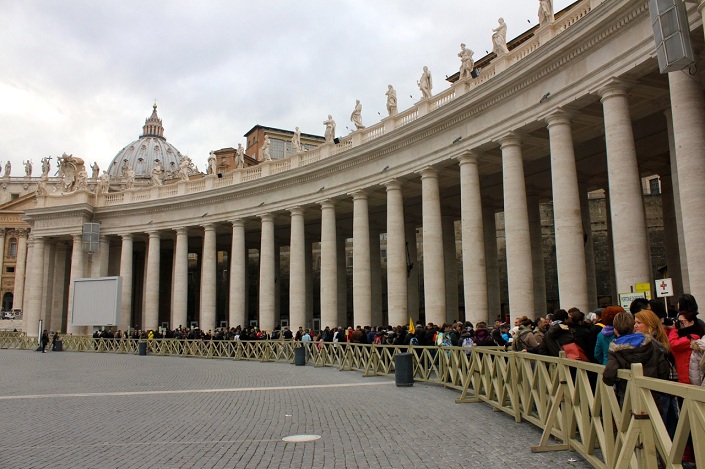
(525, 340)
(466, 340)
(482, 335)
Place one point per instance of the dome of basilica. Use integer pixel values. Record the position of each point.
(141, 154)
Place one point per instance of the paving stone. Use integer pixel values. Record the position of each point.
(90, 410)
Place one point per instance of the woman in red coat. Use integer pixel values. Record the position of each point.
(679, 338)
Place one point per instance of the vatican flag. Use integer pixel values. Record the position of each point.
(412, 329)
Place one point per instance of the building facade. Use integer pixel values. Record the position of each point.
(576, 106)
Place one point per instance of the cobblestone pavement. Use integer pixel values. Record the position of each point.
(86, 410)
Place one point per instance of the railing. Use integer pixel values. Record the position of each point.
(565, 398)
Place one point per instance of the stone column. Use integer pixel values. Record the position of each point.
(126, 274)
(309, 281)
(688, 111)
(104, 256)
(329, 266)
(677, 259)
(631, 246)
(397, 291)
(208, 268)
(266, 274)
(77, 268)
(376, 277)
(297, 270)
(589, 251)
(18, 294)
(341, 256)
(32, 312)
(473, 242)
(58, 288)
(516, 225)
(179, 295)
(568, 223)
(433, 265)
(151, 294)
(2, 252)
(412, 275)
(362, 283)
(450, 263)
(537, 257)
(238, 276)
(494, 301)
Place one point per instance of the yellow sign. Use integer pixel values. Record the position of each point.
(645, 288)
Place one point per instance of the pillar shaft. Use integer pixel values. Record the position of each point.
(126, 274)
(35, 288)
(179, 308)
(473, 240)
(297, 271)
(362, 283)
(397, 291)
(433, 265)
(208, 279)
(516, 225)
(151, 294)
(329, 266)
(631, 248)
(76, 273)
(20, 269)
(238, 276)
(267, 276)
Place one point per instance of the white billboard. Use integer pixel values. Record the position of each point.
(95, 301)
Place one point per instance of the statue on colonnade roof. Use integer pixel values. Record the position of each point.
(499, 38)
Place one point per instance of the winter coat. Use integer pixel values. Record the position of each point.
(602, 346)
(482, 337)
(634, 348)
(679, 340)
(696, 372)
(525, 340)
(557, 336)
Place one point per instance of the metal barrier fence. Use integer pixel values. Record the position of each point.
(565, 398)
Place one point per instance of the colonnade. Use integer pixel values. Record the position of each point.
(480, 270)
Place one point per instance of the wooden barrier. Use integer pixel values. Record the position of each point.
(565, 398)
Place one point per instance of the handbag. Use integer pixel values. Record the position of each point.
(574, 352)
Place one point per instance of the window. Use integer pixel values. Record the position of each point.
(654, 186)
(10, 270)
(13, 249)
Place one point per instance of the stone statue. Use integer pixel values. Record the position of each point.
(296, 141)
(240, 156)
(130, 179)
(82, 179)
(69, 169)
(27, 168)
(467, 64)
(184, 167)
(499, 38)
(125, 167)
(330, 129)
(356, 116)
(42, 186)
(265, 149)
(8, 168)
(425, 84)
(104, 183)
(157, 173)
(96, 170)
(391, 100)
(212, 164)
(46, 165)
(545, 12)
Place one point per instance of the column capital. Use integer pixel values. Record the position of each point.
(208, 226)
(613, 88)
(181, 230)
(468, 157)
(126, 236)
(359, 194)
(512, 139)
(297, 211)
(153, 234)
(558, 117)
(327, 204)
(266, 217)
(238, 222)
(2, 232)
(428, 172)
(393, 185)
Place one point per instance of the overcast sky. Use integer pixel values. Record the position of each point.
(80, 76)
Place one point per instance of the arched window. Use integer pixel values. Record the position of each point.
(12, 250)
